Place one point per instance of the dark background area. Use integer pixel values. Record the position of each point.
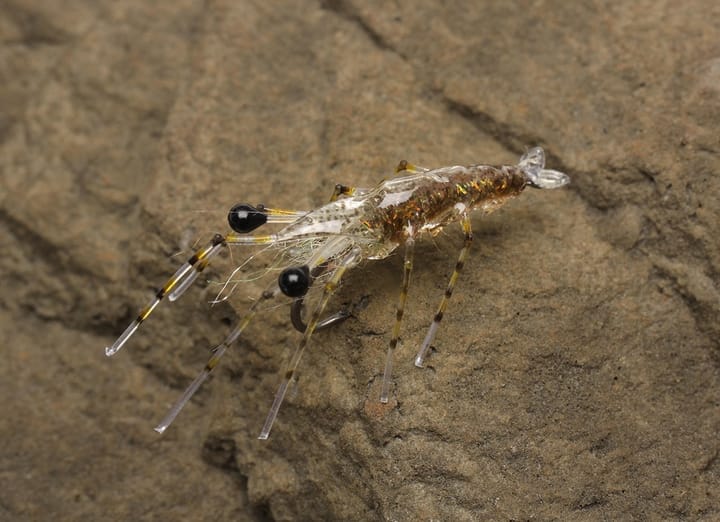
(576, 373)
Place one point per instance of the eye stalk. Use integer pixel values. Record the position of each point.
(294, 281)
(244, 218)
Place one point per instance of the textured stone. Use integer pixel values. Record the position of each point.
(575, 375)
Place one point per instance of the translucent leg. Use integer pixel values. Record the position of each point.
(330, 250)
(408, 265)
(350, 259)
(179, 279)
(203, 263)
(191, 269)
(217, 353)
(448, 293)
(238, 239)
(185, 284)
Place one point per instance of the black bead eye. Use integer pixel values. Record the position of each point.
(244, 218)
(295, 281)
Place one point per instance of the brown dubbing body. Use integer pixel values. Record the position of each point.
(434, 203)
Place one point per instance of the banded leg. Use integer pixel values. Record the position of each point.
(184, 277)
(229, 239)
(174, 286)
(237, 239)
(243, 218)
(217, 353)
(408, 265)
(190, 279)
(404, 166)
(350, 259)
(345, 190)
(448, 293)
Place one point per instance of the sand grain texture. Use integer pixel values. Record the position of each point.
(576, 374)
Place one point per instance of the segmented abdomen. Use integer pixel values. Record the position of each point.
(432, 204)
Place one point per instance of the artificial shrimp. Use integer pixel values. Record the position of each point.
(357, 224)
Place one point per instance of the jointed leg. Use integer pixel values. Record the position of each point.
(448, 293)
(242, 218)
(174, 287)
(331, 249)
(217, 353)
(350, 259)
(185, 276)
(408, 265)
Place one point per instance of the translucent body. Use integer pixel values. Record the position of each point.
(382, 218)
(357, 224)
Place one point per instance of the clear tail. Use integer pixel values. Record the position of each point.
(532, 164)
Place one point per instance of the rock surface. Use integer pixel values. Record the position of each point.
(576, 375)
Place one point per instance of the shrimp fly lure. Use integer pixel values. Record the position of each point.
(357, 224)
